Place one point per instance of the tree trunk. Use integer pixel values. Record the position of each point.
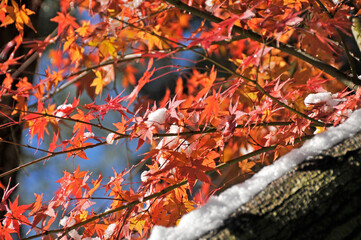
(319, 199)
(10, 153)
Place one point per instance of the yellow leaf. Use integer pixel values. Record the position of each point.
(22, 17)
(246, 167)
(18, 15)
(84, 29)
(83, 215)
(8, 20)
(319, 130)
(108, 47)
(98, 82)
(76, 53)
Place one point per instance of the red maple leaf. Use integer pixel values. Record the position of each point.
(64, 21)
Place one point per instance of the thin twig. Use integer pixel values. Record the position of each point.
(50, 156)
(245, 33)
(31, 59)
(259, 87)
(160, 193)
(344, 45)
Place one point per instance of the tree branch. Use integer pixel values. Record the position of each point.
(157, 194)
(318, 199)
(245, 33)
(259, 87)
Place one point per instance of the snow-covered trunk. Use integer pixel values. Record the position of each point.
(319, 199)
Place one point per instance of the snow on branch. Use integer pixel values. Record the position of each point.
(211, 215)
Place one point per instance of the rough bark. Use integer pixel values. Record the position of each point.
(319, 199)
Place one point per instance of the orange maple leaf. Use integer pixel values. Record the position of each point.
(246, 167)
(18, 15)
(80, 126)
(85, 29)
(144, 79)
(207, 83)
(211, 107)
(128, 75)
(6, 85)
(65, 21)
(15, 214)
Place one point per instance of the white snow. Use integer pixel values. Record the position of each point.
(209, 5)
(66, 223)
(59, 112)
(170, 141)
(326, 97)
(88, 135)
(136, 3)
(75, 235)
(329, 100)
(64, 107)
(157, 118)
(109, 231)
(212, 214)
(186, 147)
(133, 4)
(110, 138)
(317, 98)
(143, 176)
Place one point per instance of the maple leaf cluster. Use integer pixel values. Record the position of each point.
(271, 80)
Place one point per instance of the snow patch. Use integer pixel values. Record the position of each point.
(75, 235)
(209, 5)
(66, 223)
(109, 231)
(110, 138)
(144, 176)
(61, 110)
(218, 208)
(136, 3)
(88, 135)
(157, 118)
(330, 100)
(327, 97)
(170, 141)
